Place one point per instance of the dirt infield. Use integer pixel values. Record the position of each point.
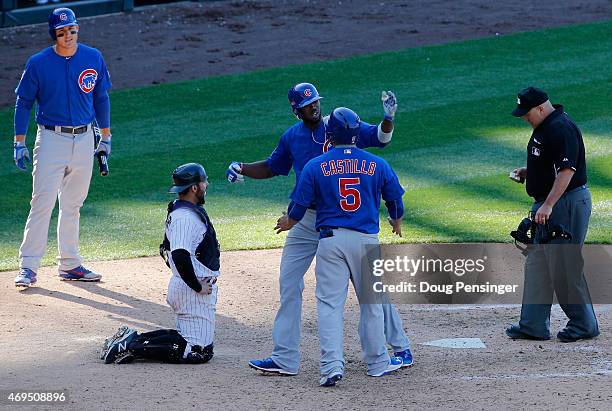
(50, 335)
(191, 40)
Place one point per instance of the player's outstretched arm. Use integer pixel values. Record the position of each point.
(389, 102)
(258, 170)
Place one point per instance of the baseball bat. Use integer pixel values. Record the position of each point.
(102, 158)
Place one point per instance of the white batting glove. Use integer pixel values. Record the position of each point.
(234, 173)
(104, 145)
(389, 104)
(21, 155)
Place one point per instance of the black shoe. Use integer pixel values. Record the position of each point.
(515, 333)
(567, 337)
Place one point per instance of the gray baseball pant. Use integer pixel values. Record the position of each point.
(299, 251)
(340, 259)
(62, 169)
(573, 211)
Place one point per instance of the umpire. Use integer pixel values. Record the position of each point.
(556, 178)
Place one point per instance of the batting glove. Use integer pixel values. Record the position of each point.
(389, 104)
(21, 155)
(104, 145)
(234, 173)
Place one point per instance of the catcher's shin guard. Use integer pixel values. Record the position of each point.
(199, 355)
(160, 345)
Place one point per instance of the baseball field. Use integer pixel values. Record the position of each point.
(453, 147)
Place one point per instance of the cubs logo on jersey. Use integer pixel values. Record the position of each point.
(87, 80)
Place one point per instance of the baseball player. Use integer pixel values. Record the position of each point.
(69, 83)
(191, 250)
(346, 184)
(299, 144)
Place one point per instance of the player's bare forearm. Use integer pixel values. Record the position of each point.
(20, 138)
(258, 170)
(105, 131)
(386, 126)
(560, 185)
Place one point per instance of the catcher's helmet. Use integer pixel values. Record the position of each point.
(301, 95)
(61, 17)
(343, 126)
(187, 175)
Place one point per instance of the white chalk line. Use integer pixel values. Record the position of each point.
(597, 373)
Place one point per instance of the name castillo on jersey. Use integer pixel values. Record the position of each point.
(348, 166)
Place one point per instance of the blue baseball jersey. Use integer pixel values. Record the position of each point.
(299, 144)
(66, 89)
(347, 184)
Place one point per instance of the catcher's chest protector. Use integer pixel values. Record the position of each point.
(208, 251)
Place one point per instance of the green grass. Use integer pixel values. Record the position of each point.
(453, 146)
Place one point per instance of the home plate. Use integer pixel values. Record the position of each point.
(457, 343)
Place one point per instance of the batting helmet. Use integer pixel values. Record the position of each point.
(301, 95)
(61, 17)
(187, 175)
(343, 126)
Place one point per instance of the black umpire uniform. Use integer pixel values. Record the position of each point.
(556, 144)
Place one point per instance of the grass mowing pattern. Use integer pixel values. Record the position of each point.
(453, 147)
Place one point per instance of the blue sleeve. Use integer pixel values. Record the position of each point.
(391, 188)
(102, 108)
(22, 115)
(281, 160)
(101, 100)
(26, 91)
(296, 211)
(368, 136)
(396, 208)
(103, 82)
(304, 193)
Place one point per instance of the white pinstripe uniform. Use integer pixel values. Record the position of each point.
(195, 313)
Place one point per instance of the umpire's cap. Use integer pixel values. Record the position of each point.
(527, 99)
(187, 175)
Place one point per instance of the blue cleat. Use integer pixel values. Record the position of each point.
(395, 363)
(331, 379)
(25, 278)
(268, 365)
(406, 357)
(79, 273)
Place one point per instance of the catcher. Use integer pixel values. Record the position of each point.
(191, 250)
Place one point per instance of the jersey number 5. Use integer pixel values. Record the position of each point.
(349, 193)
